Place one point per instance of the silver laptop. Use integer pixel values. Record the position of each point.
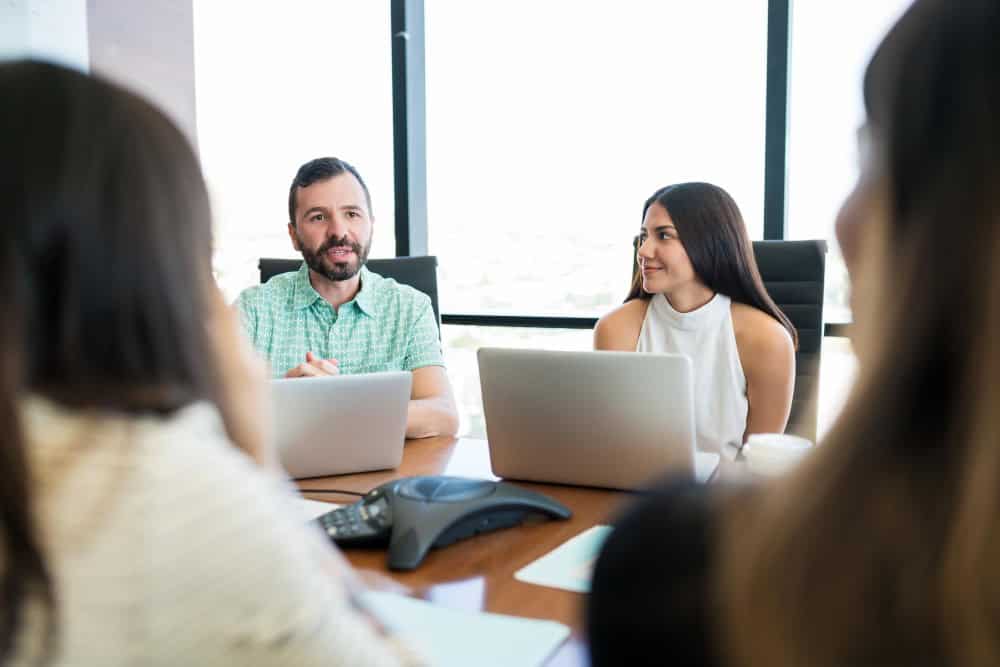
(611, 419)
(340, 424)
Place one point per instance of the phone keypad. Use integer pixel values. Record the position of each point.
(359, 521)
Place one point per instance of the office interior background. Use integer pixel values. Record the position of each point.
(515, 140)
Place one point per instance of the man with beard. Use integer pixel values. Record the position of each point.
(333, 315)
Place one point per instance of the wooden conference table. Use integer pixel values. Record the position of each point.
(478, 574)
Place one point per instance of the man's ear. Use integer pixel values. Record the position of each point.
(294, 237)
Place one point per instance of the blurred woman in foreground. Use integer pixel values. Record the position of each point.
(883, 547)
(134, 529)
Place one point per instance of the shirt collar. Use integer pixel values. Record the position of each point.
(365, 298)
(306, 295)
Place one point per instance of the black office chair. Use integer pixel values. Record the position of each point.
(794, 273)
(417, 272)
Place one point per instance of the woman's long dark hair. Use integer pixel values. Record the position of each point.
(107, 257)
(24, 575)
(112, 224)
(884, 546)
(714, 236)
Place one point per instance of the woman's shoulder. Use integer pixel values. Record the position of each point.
(231, 542)
(183, 469)
(185, 515)
(758, 334)
(664, 535)
(679, 506)
(652, 585)
(192, 455)
(619, 329)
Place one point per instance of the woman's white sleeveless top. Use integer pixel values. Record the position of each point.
(706, 337)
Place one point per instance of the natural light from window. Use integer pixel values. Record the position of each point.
(832, 43)
(278, 85)
(549, 123)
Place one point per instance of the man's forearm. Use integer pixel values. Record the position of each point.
(428, 417)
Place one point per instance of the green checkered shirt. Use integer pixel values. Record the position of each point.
(386, 327)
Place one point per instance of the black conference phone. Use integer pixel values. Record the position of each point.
(413, 514)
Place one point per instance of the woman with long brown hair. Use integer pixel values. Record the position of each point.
(697, 292)
(883, 547)
(142, 519)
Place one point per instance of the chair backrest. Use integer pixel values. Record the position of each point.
(794, 273)
(417, 272)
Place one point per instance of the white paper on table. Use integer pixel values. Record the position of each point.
(458, 638)
(315, 508)
(570, 565)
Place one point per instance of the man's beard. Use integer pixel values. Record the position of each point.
(336, 271)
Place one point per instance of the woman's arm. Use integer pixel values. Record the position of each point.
(619, 329)
(767, 355)
(242, 384)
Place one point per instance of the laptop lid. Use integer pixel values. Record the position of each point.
(610, 419)
(340, 424)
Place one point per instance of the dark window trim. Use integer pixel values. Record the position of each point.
(409, 126)
(526, 321)
(776, 119)
(836, 329)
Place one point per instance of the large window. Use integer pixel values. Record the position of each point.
(832, 43)
(279, 84)
(549, 123)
